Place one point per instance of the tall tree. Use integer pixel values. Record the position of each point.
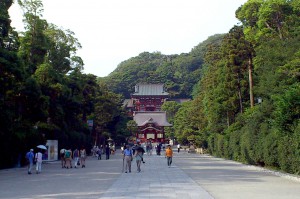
(62, 50)
(107, 107)
(265, 19)
(171, 107)
(239, 54)
(11, 80)
(34, 42)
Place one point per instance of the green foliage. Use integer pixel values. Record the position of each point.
(234, 149)
(269, 146)
(131, 127)
(289, 150)
(287, 108)
(265, 19)
(179, 73)
(62, 50)
(171, 107)
(44, 95)
(268, 133)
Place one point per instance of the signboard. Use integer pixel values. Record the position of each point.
(90, 123)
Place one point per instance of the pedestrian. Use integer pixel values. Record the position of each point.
(127, 157)
(76, 157)
(158, 149)
(123, 147)
(139, 152)
(151, 148)
(30, 157)
(82, 157)
(62, 158)
(178, 147)
(99, 151)
(107, 151)
(102, 149)
(68, 158)
(133, 149)
(148, 148)
(169, 155)
(38, 160)
(96, 152)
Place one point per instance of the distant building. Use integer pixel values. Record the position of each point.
(149, 97)
(145, 108)
(151, 125)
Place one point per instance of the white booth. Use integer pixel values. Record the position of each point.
(51, 154)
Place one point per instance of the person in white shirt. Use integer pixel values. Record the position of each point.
(82, 156)
(178, 147)
(39, 160)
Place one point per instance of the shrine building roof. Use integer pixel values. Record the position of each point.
(150, 89)
(155, 117)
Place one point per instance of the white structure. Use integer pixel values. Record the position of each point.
(52, 153)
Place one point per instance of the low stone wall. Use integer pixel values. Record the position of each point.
(200, 150)
(184, 147)
(193, 150)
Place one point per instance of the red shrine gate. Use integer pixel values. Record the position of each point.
(146, 110)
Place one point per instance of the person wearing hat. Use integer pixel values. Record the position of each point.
(29, 158)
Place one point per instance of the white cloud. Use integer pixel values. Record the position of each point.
(115, 30)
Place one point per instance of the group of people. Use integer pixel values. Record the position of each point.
(98, 151)
(137, 152)
(129, 153)
(32, 158)
(78, 156)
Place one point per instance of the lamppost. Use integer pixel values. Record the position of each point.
(259, 100)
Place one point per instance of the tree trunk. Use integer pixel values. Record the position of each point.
(240, 94)
(250, 68)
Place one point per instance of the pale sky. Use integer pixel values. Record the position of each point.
(112, 31)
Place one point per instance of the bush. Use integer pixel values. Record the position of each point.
(270, 149)
(289, 152)
(234, 148)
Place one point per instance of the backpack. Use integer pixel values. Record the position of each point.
(27, 155)
(67, 154)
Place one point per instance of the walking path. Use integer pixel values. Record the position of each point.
(156, 180)
(190, 176)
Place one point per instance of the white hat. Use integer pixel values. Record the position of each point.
(31, 149)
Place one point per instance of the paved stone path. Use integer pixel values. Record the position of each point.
(191, 176)
(156, 180)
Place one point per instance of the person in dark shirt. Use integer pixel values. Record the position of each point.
(107, 151)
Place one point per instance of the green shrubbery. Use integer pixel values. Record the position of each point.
(259, 143)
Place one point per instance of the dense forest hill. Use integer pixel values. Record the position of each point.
(179, 73)
(245, 87)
